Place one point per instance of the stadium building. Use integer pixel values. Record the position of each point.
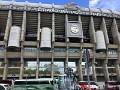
(41, 40)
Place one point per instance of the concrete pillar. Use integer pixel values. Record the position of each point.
(67, 43)
(6, 65)
(115, 32)
(92, 30)
(80, 74)
(52, 62)
(38, 29)
(23, 26)
(37, 69)
(38, 43)
(93, 40)
(53, 40)
(37, 66)
(65, 64)
(22, 62)
(66, 60)
(93, 65)
(94, 72)
(8, 25)
(53, 27)
(105, 71)
(117, 68)
(117, 63)
(104, 29)
(52, 68)
(22, 39)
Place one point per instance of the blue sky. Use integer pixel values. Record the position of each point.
(103, 4)
(83, 3)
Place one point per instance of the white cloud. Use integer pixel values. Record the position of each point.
(105, 4)
(93, 3)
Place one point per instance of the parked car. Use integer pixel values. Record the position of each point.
(84, 85)
(9, 82)
(112, 85)
(5, 87)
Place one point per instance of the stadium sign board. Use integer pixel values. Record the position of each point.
(74, 29)
(57, 10)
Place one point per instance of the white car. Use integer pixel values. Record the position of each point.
(5, 87)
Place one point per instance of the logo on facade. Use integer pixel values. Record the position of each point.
(74, 28)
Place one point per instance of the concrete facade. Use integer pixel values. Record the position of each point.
(30, 61)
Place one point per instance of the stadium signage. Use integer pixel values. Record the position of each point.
(74, 29)
(56, 10)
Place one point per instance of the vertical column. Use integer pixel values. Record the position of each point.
(93, 40)
(105, 71)
(8, 25)
(93, 65)
(117, 70)
(6, 64)
(104, 29)
(80, 74)
(92, 30)
(67, 43)
(22, 62)
(22, 41)
(115, 33)
(38, 28)
(53, 41)
(23, 26)
(117, 67)
(37, 66)
(38, 43)
(117, 63)
(116, 40)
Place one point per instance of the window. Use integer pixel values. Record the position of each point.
(2, 48)
(30, 49)
(111, 70)
(99, 70)
(45, 50)
(30, 64)
(74, 50)
(112, 51)
(14, 63)
(60, 49)
(1, 63)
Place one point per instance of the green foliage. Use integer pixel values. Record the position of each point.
(13, 71)
(30, 71)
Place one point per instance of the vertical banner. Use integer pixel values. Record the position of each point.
(14, 37)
